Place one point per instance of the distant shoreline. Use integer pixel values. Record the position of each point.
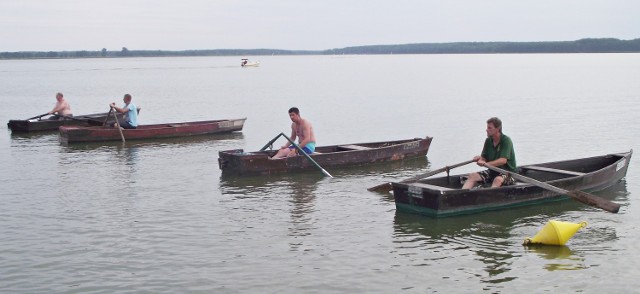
(605, 45)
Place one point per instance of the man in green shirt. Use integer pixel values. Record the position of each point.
(497, 151)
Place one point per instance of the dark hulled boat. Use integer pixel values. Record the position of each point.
(38, 125)
(444, 196)
(238, 162)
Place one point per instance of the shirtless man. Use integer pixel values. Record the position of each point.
(62, 107)
(301, 129)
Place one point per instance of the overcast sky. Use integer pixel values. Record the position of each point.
(58, 25)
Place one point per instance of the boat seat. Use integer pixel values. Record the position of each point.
(552, 170)
(433, 187)
(353, 147)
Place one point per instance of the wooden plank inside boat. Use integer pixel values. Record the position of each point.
(352, 147)
(552, 170)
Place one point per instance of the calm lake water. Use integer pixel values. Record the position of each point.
(158, 216)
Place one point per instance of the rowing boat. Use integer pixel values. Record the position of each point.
(25, 126)
(72, 134)
(239, 162)
(444, 196)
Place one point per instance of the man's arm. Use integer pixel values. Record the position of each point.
(118, 109)
(56, 108)
(292, 136)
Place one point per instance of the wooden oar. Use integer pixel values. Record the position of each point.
(300, 150)
(37, 116)
(386, 187)
(118, 125)
(581, 196)
(308, 157)
(107, 117)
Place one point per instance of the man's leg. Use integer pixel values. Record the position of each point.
(472, 180)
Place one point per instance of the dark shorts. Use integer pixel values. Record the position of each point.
(124, 124)
(487, 178)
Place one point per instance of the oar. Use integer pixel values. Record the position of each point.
(309, 158)
(581, 196)
(117, 125)
(301, 152)
(386, 187)
(38, 116)
(107, 117)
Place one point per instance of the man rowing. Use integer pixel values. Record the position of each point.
(301, 129)
(497, 151)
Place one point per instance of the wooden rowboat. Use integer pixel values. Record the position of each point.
(72, 134)
(443, 196)
(238, 162)
(25, 126)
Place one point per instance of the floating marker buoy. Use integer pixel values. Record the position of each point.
(555, 233)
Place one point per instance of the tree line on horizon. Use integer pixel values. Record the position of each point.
(607, 45)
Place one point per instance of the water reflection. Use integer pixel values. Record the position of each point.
(33, 139)
(294, 192)
(395, 169)
(303, 198)
(492, 238)
(560, 257)
(268, 185)
(200, 139)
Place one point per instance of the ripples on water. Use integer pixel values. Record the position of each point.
(158, 216)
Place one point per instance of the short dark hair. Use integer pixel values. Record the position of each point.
(294, 110)
(496, 122)
(128, 96)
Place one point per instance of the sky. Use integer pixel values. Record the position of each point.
(70, 25)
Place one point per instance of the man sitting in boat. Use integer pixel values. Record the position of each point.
(244, 62)
(62, 108)
(301, 129)
(130, 119)
(497, 151)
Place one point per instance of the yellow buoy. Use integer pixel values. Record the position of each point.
(555, 233)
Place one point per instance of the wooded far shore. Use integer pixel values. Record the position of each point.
(604, 45)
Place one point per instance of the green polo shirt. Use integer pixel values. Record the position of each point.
(504, 149)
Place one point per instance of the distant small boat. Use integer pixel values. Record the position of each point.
(37, 125)
(72, 134)
(246, 63)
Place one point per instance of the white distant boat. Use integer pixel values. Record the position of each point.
(245, 62)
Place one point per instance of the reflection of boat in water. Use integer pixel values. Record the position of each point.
(221, 139)
(230, 182)
(246, 63)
